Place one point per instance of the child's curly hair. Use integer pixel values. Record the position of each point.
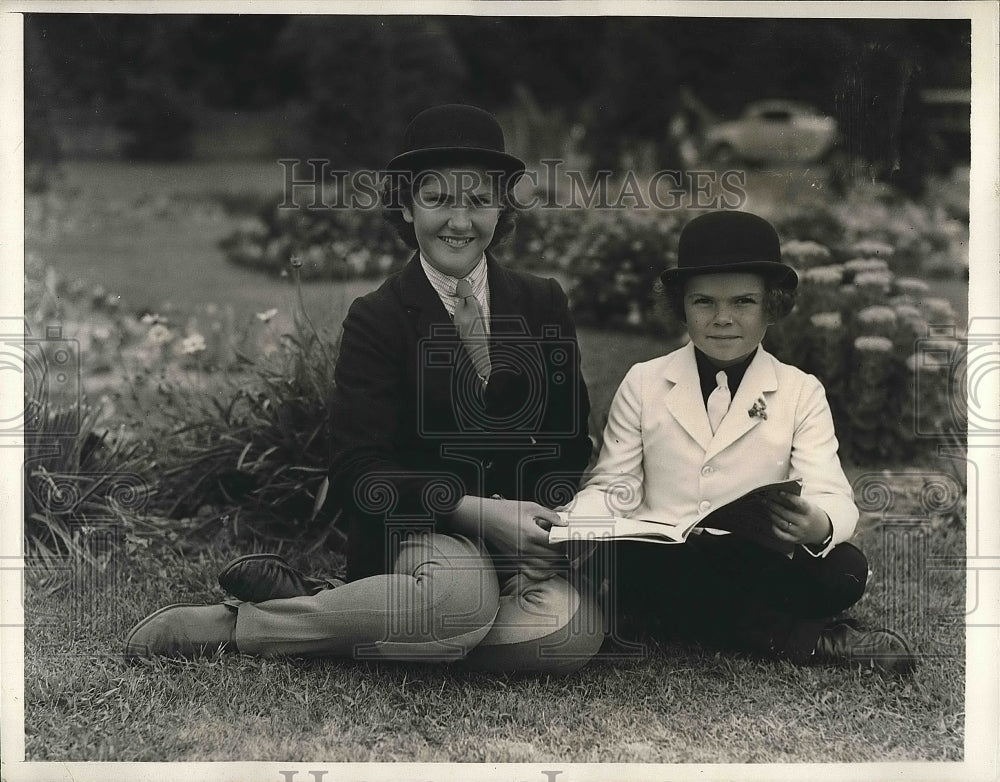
(778, 302)
(399, 192)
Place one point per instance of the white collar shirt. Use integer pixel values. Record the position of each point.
(444, 286)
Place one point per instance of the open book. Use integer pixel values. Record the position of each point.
(745, 516)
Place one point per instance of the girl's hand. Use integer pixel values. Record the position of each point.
(796, 520)
(520, 529)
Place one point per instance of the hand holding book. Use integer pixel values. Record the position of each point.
(756, 516)
(796, 520)
(750, 516)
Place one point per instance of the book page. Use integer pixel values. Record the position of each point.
(615, 528)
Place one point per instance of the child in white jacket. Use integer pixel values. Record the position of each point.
(693, 430)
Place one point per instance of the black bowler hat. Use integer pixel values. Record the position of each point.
(455, 134)
(732, 242)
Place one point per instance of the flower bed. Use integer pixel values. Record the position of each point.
(109, 337)
(887, 351)
(863, 308)
(331, 244)
(202, 447)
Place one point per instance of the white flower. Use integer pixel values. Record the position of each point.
(873, 344)
(824, 275)
(151, 318)
(911, 286)
(159, 334)
(826, 320)
(252, 250)
(939, 310)
(254, 227)
(266, 315)
(875, 279)
(877, 314)
(907, 312)
(940, 345)
(873, 247)
(193, 343)
(859, 265)
(799, 252)
(928, 361)
(358, 260)
(315, 256)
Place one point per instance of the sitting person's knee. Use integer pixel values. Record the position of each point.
(851, 566)
(545, 626)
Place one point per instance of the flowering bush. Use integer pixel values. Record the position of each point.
(110, 337)
(246, 446)
(620, 257)
(862, 331)
(929, 237)
(860, 310)
(331, 244)
(260, 456)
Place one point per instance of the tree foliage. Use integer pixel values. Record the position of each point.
(352, 82)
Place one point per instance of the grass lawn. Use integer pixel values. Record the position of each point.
(674, 703)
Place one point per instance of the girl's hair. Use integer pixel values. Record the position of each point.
(393, 199)
(778, 302)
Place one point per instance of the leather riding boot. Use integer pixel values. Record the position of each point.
(183, 630)
(256, 578)
(845, 643)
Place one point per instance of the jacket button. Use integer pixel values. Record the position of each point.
(707, 470)
(704, 505)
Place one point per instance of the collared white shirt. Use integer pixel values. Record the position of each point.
(444, 285)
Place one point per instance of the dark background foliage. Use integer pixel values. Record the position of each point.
(345, 85)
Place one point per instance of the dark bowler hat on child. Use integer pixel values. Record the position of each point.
(458, 397)
(705, 424)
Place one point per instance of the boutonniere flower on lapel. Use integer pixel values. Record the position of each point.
(759, 409)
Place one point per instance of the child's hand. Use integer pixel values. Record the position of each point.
(796, 520)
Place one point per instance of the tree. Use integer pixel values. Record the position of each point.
(363, 78)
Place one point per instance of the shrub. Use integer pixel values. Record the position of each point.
(332, 244)
(856, 261)
(261, 454)
(862, 331)
(615, 266)
(73, 482)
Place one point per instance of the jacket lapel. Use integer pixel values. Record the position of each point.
(759, 381)
(684, 400)
(421, 301)
(505, 313)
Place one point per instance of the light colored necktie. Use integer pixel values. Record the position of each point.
(718, 401)
(472, 329)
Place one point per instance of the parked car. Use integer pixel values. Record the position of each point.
(772, 131)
